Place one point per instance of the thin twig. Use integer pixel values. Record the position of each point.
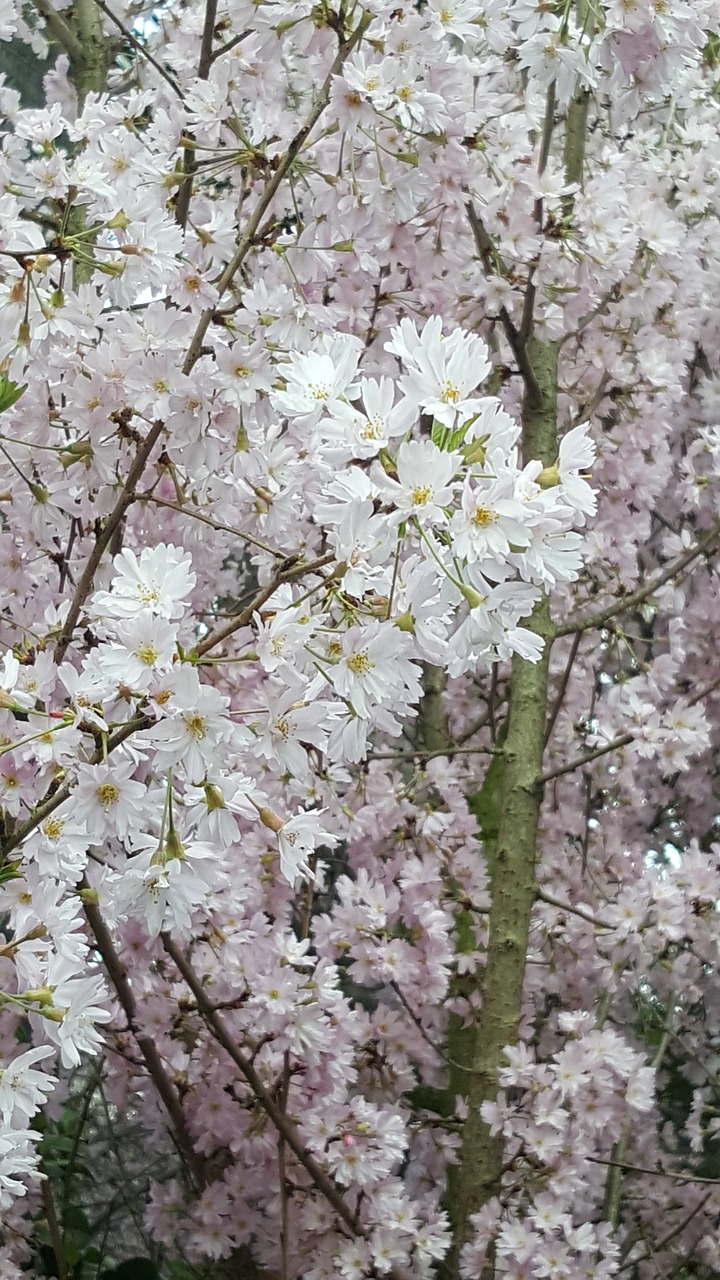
(615, 745)
(562, 690)
(215, 524)
(283, 1124)
(654, 1173)
(230, 44)
(246, 240)
(125, 500)
(542, 896)
(117, 974)
(430, 755)
(140, 48)
(670, 1235)
(485, 249)
(642, 593)
(54, 1230)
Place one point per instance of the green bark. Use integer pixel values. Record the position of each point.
(477, 1176)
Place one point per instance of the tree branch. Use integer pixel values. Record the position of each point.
(246, 240)
(637, 597)
(615, 745)
(117, 974)
(126, 498)
(59, 29)
(140, 48)
(287, 574)
(284, 1126)
(517, 344)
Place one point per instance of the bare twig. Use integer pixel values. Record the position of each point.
(615, 745)
(542, 896)
(140, 48)
(117, 974)
(430, 755)
(126, 498)
(247, 239)
(702, 547)
(562, 690)
(214, 524)
(485, 249)
(275, 1113)
(54, 1230)
(670, 1234)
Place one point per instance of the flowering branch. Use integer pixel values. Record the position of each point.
(247, 239)
(103, 539)
(284, 1126)
(141, 49)
(623, 741)
(702, 547)
(118, 976)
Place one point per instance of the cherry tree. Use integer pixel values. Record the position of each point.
(359, 685)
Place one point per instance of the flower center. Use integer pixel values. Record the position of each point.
(148, 654)
(53, 828)
(359, 664)
(482, 517)
(420, 494)
(108, 795)
(195, 724)
(449, 393)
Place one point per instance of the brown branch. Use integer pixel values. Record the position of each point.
(117, 974)
(562, 690)
(284, 1126)
(54, 1230)
(637, 597)
(230, 44)
(242, 619)
(654, 1173)
(430, 755)
(615, 745)
(207, 39)
(247, 239)
(190, 162)
(486, 249)
(214, 524)
(670, 1234)
(140, 48)
(542, 896)
(126, 498)
(60, 29)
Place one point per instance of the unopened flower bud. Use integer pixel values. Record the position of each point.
(40, 995)
(110, 268)
(549, 476)
(472, 596)
(119, 222)
(54, 1015)
(214, 797)
(405, 622)
(270, 819)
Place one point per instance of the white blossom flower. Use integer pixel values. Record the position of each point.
(159, 580)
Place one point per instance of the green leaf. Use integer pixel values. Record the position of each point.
(10, 393)
(446, 439)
